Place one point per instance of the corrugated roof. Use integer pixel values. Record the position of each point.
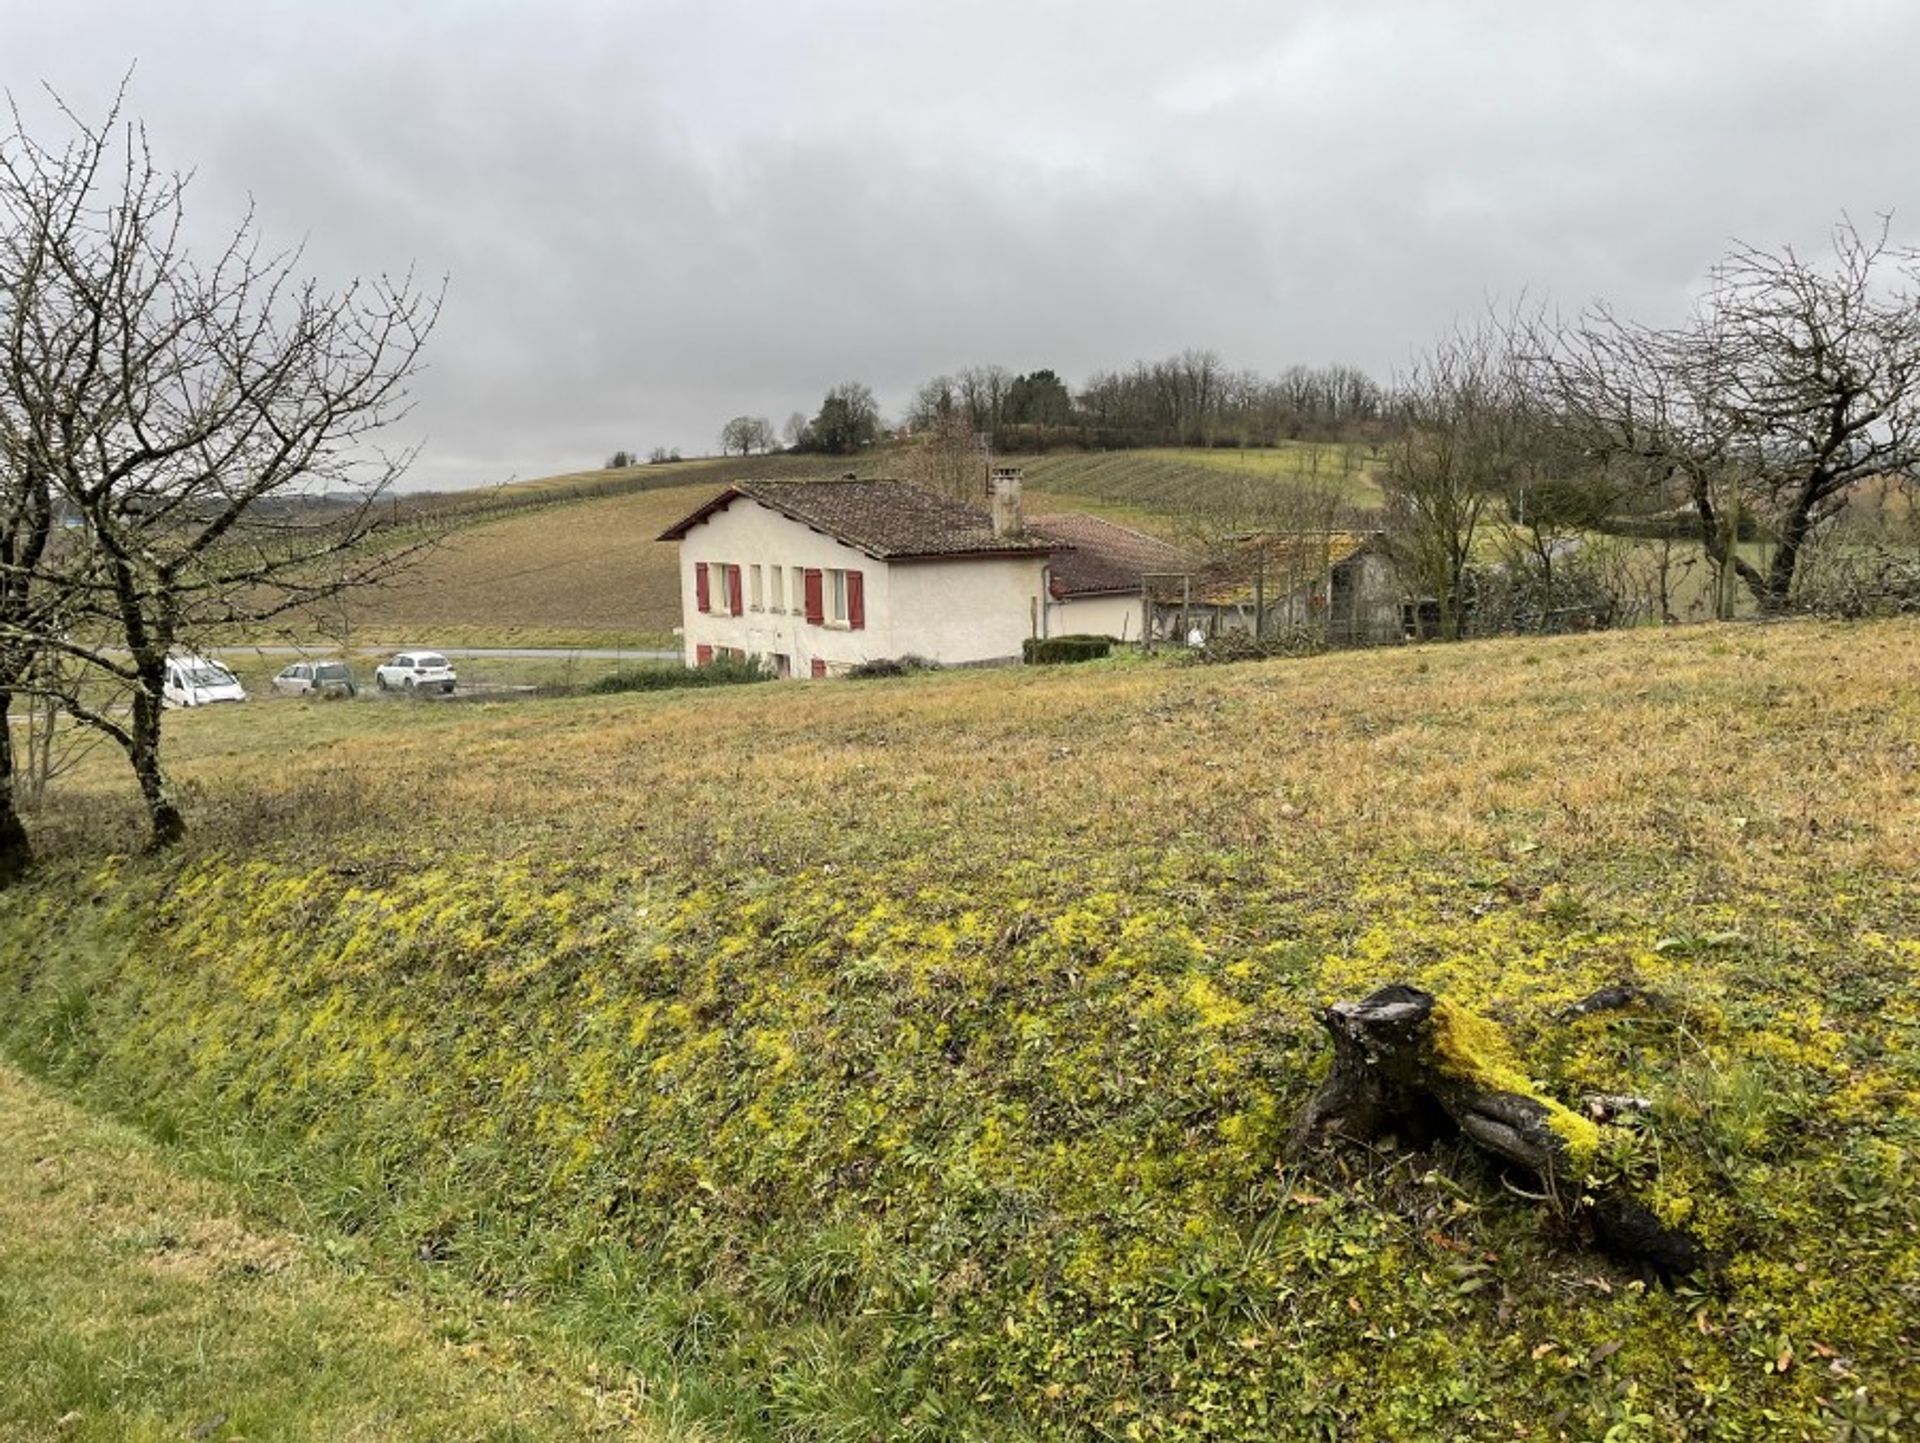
(1105, 558)
(888, 520)
(1283, 561)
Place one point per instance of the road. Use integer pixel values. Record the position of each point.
(505, 653)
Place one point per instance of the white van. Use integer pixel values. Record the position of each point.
(196, 680)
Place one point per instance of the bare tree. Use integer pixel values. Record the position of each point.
(30, 608)
(933, 403)
(746, 434)
(1268, 541)
(209, 424)
(983, 391)
(1462, 444)
(944, 457)
(1792, 384)
(849, 420)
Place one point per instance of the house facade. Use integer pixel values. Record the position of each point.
(815, 577)
(1094, 586)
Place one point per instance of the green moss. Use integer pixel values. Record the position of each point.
(1473, 1049)
(829, 1149)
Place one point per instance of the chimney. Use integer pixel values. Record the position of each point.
(1004, 487)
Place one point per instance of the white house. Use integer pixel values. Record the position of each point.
(1094, 583)
(818, 576)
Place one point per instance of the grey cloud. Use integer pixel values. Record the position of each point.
(657, 216)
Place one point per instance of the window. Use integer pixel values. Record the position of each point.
(782, 665)
(797, 577)
(758, 600)
(776, 590)
(842, 601)
(717, 587)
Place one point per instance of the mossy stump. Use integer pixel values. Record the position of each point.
(1405, 1061)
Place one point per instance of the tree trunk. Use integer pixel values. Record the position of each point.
(167, 825)
(1786, 561)
(1405, 1062)
(16, 850)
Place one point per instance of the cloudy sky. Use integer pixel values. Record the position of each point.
(655, 215)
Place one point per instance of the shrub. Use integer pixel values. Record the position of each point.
(886, 666)
(725, 672)
(1044, 650)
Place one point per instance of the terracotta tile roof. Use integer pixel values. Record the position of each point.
(888, 520)
(1105, 558)
(1293, 559)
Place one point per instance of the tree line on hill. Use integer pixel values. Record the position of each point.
(1192, 399)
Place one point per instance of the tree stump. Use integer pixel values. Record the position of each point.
(1405, 1061)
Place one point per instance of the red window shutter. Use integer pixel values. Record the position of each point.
(856, 600)
(816, 604)
(819, 667)
(703, 655)
(733, 591)
(702, 597)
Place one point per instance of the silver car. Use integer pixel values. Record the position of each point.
(316, 678)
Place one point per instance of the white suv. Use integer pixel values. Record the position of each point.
(415, 671)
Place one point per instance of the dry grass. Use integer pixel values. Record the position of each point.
(588, 573)
(1709, 740)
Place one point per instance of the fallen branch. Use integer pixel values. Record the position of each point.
(1616, 998)
(1406, 1061)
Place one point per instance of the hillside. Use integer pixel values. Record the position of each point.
(1173, 481)
(582, 568)
(913, 1059)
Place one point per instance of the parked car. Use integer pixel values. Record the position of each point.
(316, 678)
(415, 671)
(198, 680)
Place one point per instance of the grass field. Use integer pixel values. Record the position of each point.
(587, 573)
(142, 1305)
(912, 1059)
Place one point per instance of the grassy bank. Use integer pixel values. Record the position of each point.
(913, 1059)
(141, 1305)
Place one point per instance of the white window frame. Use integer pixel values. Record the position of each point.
(755, 595)
(719, 598)
(776, 590)
(833, 598)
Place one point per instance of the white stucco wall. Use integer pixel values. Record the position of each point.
(972, 610)
(949, 611)
(748, 534)
(1115, 616)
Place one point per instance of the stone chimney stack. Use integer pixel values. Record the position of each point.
(1004, 485)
